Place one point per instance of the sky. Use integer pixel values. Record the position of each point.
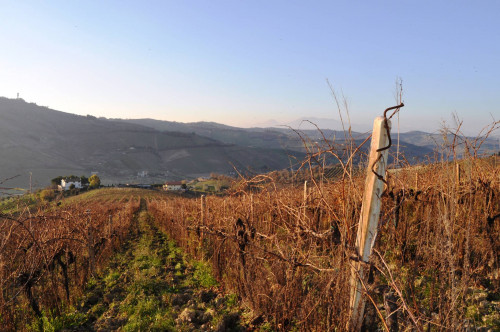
(246, 63)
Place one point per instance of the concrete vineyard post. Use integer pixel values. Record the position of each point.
(368, 221)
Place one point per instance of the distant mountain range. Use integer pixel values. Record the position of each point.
(50, 143)
(416, 146)
(303, 123)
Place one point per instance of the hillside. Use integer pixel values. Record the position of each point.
(49, 143)
(255, 137)
(416, 146)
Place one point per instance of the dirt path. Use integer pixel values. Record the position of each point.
(150, 286)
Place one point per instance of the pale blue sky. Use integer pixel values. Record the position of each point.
(246, 62)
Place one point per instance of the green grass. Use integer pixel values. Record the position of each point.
(202, 275)
(69, 319)
(16, 204)
(137, 289)
(211, 185)
(145, 304)
(146, 313)
(112, 278)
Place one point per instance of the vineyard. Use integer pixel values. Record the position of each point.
(285, 251)
(47, 255)
(288, 252)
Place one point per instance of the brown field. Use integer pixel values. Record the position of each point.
(284, 250)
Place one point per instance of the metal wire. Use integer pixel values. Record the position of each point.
(386, 125)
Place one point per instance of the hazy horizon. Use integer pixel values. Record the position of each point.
(302, 123)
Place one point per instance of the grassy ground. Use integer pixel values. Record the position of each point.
(151, 286)
(10, 205)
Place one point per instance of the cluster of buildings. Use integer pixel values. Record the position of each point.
(173, 186)
(76, 183)
(169, 186)
(69, 183)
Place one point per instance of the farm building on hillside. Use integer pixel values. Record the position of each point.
(176, 185)
(66, 183)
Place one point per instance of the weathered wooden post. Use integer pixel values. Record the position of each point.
(305, 201)
(90, 244)
(110, 226)
(201, 233)
(251, 208)
(202, 207)
(203, 216)
(2, 278)
(369, 218)
(305, 192)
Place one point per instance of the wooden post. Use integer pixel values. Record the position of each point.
(90, 244)
(305, 200)
(305, 192)
(251, 208)
(202, 208)
(368, 221)
(202, 222)
(110, 226)
(2, 280)
(206, 210)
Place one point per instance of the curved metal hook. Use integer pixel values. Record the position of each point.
(386, 124)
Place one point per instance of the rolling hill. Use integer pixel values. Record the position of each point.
(49, 143)
(415, 146)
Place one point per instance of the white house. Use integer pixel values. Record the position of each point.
(66, 184)
(176, 185)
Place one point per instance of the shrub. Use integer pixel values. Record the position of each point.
(47, 195)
